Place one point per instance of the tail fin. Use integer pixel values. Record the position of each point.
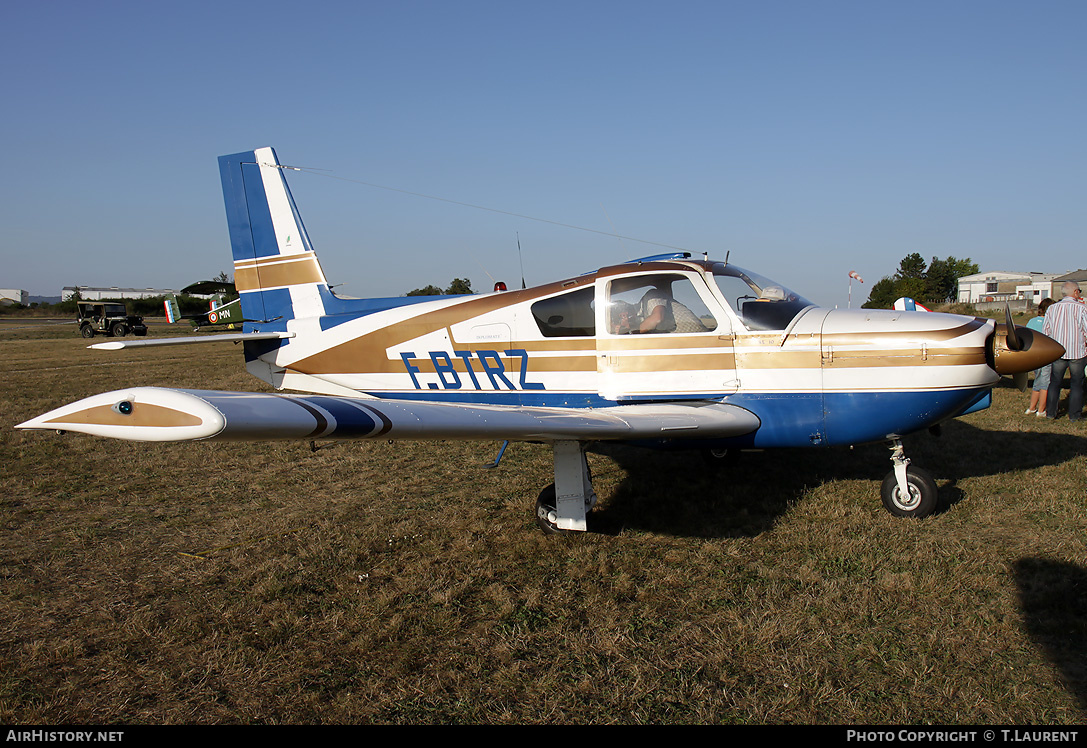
(275, 268)
(173, 313)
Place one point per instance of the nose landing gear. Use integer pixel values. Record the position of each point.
(908, 491)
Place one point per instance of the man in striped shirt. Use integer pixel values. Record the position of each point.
(1066, 322)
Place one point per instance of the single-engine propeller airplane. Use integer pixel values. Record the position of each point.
(663, 351)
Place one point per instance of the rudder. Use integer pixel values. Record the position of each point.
(276, 271)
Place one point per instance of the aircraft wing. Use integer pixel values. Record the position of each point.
(162, 414)
(241, 337)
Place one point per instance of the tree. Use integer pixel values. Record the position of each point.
(882, 296)
(942, 279)
(426, 291)
(458, 286)
(912, 267)
(937, 282)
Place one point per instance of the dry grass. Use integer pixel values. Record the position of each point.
(403, 583)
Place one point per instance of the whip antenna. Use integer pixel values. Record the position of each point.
(521, 260)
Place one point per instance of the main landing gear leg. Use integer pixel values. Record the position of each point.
(564, 504)
(908, 491)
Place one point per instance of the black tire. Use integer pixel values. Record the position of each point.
(923, 499)
(86, 331)
(119, 329)
(545, 506)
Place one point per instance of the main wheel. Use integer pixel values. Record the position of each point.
(546, 514)
(922, 499)
(86, 331)
(545, 511)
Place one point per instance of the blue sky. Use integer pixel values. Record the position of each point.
(807, 139)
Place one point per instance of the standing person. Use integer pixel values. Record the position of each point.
(1066, 322)
(1040, 390)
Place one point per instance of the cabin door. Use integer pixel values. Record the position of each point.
(662, 336)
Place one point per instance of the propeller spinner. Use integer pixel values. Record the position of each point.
(1019, 350)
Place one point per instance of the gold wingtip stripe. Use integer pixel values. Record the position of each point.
(143, 414)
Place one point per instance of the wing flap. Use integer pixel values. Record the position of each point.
(161, 414)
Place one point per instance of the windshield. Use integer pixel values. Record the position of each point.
(760, 303)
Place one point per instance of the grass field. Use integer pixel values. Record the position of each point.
(404, 583)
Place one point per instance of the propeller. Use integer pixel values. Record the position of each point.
(1014, 344)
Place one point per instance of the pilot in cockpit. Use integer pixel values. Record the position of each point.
(624, 318)
(661, 312)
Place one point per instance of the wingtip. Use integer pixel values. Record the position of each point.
(137, 414)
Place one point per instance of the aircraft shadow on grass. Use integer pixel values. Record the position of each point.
(682, 493)
(1053, 599)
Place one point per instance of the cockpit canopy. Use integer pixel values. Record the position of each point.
(667, 301)
(760, 303)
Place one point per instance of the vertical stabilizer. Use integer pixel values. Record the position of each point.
(275, 268)
(173, 313)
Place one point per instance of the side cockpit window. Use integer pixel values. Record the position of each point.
(651, 304)
(567, 315)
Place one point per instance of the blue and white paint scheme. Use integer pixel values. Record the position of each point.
(665, 351)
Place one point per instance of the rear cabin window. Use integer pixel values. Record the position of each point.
(567, 315)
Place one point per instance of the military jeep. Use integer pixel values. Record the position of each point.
(108, 318)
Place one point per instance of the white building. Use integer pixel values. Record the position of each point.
(14, 296)
(998, 286)
(90, 293)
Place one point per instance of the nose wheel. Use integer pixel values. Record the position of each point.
(908, 491)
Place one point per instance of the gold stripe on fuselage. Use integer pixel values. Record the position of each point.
(876, 338)
(368, 352)
(671, 362)
(660, 342)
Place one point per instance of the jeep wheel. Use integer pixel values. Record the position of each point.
(86, 331)
(119, 330)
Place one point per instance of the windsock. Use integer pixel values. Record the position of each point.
(853, 274)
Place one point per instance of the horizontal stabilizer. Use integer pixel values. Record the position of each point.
(240, 337)
(159, 414)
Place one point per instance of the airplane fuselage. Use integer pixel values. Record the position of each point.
(813, 376)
